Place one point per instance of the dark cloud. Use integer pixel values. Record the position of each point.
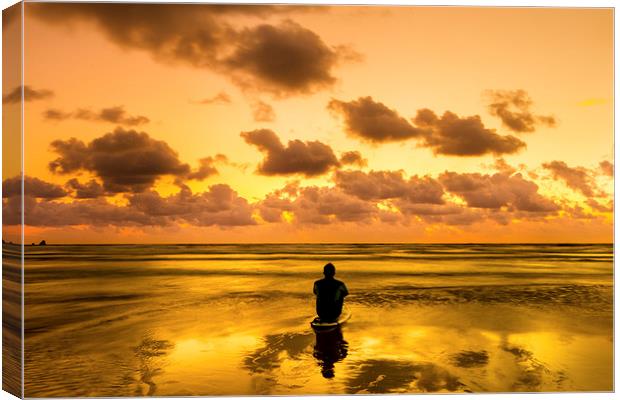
(497, 191)
(285, 59)
(116, 115)
(219, 206)
(382, 185)
(513, 108)
(607, 168)
(220, 98)
(263, 112)
(463, 136)
(55, 114)
(124, 160)
(577, 178)
(353, 158)
(306, 158)
(30, 94)
(598, 206)
(502, 166)
(373, 121)
(33, 187)
(448, 135)
(90, 190)
(323, 205)
(207, 167)
(393, 376)
(448, 213)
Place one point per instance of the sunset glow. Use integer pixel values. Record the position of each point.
(314, 124)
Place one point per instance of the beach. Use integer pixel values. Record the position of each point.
(181, 320)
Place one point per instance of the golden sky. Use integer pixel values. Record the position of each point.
(194, 123)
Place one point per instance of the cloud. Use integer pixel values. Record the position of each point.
(124, 160)
(263, 112)
(372, 121)
(353, 158)
(320, 206)
(207, 167)
(382, 185)
(497, 191)
(219, 206)
(90, 190)
(607, 168)
(33, 187)
(116, 115)
(513, 108)
(284, 59)
(467, 136)
(502, 166)
(305, 158)
(597, 206)
(220, 98)
(287, 58)
(448, 135)
(577, 178)
(30, 94)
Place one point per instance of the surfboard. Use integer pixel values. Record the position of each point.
(344, 317)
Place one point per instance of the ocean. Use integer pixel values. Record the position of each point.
(181, 320)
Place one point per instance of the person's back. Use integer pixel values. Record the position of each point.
(330, 294)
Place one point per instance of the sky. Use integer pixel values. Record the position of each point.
(198, 124)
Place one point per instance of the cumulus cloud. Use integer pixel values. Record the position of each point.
(116, 115)
(607, 168)
(600, 207)
(90, 190)
(449, 134)
(33, 187)
(496, 191)
(220, 98)
(512, 107)
(219, 206)
(353, 158)
(263, 112)
(207, 167)
(284, 59)
(305, 158)
(502, 166)
(373, 121)
(30, 94)
(124, 160)
(577, 178)
(382, 185)
(463, 136)
(318, 205)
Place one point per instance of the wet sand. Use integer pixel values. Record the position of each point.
(209, 320)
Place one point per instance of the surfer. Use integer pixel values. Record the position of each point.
(330, 294)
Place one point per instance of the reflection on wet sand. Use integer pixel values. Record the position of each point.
(329, 348)
(149, 355)
(195, 333)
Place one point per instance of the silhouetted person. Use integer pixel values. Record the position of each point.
(330, 348)
(330, 294)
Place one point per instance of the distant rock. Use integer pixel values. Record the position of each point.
(42, 243)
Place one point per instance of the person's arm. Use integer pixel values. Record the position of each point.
(314, 289)
(344, 290)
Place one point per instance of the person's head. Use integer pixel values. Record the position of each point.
(329, 270)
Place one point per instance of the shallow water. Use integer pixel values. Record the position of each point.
(234, 319)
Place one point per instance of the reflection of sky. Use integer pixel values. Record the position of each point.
(130, 331)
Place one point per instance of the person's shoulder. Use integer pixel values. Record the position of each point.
(318, 282)
(341, 283)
